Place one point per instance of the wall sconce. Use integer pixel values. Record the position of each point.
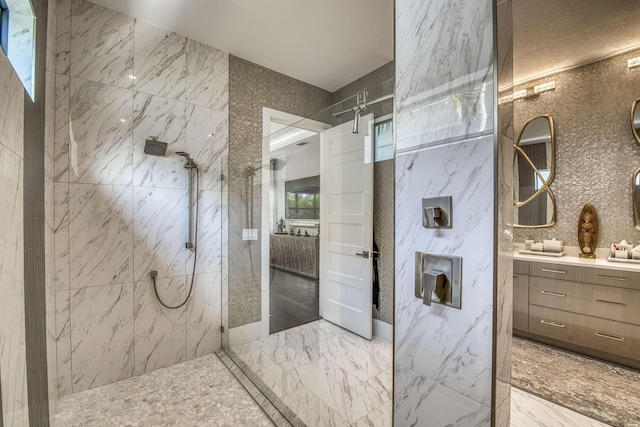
(534, 91)
(633, 62)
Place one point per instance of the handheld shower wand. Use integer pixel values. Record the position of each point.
(190, 164)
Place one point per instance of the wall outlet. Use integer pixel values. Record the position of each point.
(249, 234)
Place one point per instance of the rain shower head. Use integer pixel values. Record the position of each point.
(154, 147)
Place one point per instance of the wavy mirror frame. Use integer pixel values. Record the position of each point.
(545, 182)
(636, 202)
(634, 106)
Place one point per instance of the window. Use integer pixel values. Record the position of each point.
(302, 198)
(18, 38)
(545, 175)
(383, 138)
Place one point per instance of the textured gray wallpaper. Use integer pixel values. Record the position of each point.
(596, 153)
(252, 87)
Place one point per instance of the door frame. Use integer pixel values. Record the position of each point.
(270, 115)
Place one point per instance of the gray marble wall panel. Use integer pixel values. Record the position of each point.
(13, 370)
(119, 213)
(596, 153)
(252, 87)
(445, 103)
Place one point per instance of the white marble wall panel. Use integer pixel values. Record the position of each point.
(100, 134)
(13, 368)
(207, 76)
(207, 143)
(63, 36)
(159, 61)
(101, 335)
(452, 347)
(159, 232)
(101, 235)
(49, 124)
(49, 234)
(120, 213)
(52, 34)
(420, 401)
(209, 242)
(52, 361)
(160, 333)
(101, 44)
(11, 228)
(444, 76)
(63, 342)
(61, 124)
(12, 108)
(165, 119)
(61, 235)
(203, 316)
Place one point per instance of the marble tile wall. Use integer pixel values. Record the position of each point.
(13, 370)
(446, 146)
(596, 153)
(119, 213)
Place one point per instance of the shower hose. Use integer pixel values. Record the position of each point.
(195, 252)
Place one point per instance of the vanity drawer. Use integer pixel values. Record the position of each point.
(607, 336)
(521, 302)
(599, 276)
(606, 302)
(520, 267)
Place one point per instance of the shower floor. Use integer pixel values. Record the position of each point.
(200, 392)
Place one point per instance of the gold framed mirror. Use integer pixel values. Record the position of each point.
(635, 123)
(534, 168)
(636, 198)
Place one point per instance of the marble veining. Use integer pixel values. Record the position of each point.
(61, 132)
(159, 61)
(100, 134)
(449, 93)
(160, 333)
(63, 36)
(12, 232)
(207, 77)
(12, 108)
(324, 374)
(13, 374)
(101, 44)
(102, 330)
(63, 342)
(159, 240)
(455, 349)
(203, 316)
(164, 119)
(101, 235)
(207, 143)
(209, 243)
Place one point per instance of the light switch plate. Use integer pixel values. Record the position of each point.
(249, 234)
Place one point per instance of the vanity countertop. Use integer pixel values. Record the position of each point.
(574, 259)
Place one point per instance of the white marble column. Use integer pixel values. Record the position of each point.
(448, 145)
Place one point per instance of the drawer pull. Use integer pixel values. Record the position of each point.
(555, 294)
(550, 323)
(610, 302)
(548, 270)
(611, 337)
(620, 279)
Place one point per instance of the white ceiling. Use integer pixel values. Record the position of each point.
(330, 43)
(553, 35)
(327, 43)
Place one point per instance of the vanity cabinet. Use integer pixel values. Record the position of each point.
(586, 309)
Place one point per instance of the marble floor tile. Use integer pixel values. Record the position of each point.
(381, 417)
(528, 410)
(352, 358)
(351, 398)
(273, 375)
(287, 350)
(312, 410)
